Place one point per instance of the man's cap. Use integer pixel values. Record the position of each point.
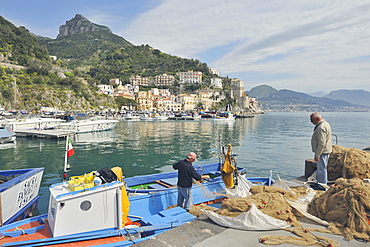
(192, 155)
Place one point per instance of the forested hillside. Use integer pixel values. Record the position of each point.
(41, 81)
(18, 46)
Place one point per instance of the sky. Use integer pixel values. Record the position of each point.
(305, 46)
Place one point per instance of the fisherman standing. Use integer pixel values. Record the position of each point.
(321, 143)
(185, 178)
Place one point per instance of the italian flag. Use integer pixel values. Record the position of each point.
(70, 149)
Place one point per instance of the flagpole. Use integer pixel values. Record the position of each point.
(65, 170)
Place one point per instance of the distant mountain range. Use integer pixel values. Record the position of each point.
(288, 100)
(359, 97)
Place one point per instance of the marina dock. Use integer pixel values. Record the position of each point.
(51, 133)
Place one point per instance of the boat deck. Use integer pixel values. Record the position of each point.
(51, 133)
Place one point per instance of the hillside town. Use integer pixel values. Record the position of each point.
(157, 99)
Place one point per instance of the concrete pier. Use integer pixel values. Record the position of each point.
(202, 232)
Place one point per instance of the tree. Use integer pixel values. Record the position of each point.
(122, 101)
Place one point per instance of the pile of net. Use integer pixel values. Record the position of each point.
(272, 201)
(268, 199)
(348, 163)
(347, 205)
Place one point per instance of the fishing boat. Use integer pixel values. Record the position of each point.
(147, 184)
(185, 116)
(158, 116)
(224, 116)
(129, 116)
(89, 124)
(7, 135)
(145, 116)
(18, 193)
(95, 209)
(217, 172)
(90, 213)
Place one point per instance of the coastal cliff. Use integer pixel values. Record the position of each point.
(79, 24)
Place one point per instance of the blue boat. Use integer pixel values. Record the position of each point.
(167, 181)
(102, 214)
(18, 193)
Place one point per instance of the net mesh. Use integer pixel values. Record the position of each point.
(348, 163)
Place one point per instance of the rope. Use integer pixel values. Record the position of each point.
(20, 229)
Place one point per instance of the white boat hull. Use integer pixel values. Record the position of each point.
(17, 194)
(33, 123)
(83, 126)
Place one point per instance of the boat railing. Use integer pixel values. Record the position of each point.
(201, 169)
(336, 139)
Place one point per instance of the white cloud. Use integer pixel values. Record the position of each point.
(309, 39)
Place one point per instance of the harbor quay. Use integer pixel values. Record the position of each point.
(203, 232)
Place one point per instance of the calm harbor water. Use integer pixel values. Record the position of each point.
(278, 141)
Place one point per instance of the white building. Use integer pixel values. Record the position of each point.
(216, 82)
(140, 81)
(190, 77)
(106, 89)
(166, 80)
(214, 71)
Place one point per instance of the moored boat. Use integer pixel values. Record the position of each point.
(30, 122)
(89, 124)
(158, 116)
(167, 181)
(92, 214)
(7, 135)
(18, 193)
(224, 116)
(184, 116)
(131, 117)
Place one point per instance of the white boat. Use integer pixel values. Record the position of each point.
(224, 116)
(90, 124)
(7, 135)
(131, 117)
(18, 193)
(30, 122)
(158, 116)
(145, 117)
(184, 116)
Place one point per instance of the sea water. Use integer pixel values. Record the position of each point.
(277, 141)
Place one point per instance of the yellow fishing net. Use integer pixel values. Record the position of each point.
(272, 201)
(348, 163)
(347, 205)
(228, 170)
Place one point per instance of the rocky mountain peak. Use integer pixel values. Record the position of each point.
(79, 24)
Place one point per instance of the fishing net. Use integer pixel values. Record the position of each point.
(268, 199)
(227, 171)
(274, 202)
(347, 205)
(348, 163)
